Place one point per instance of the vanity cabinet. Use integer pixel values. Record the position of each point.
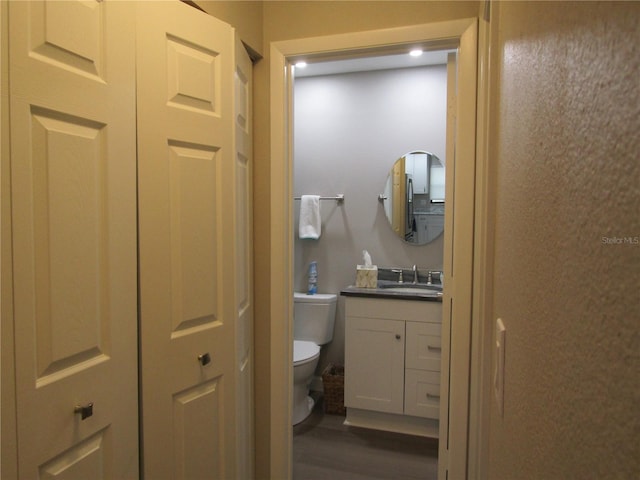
(392, 364)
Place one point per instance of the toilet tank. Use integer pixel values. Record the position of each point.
(314, 317)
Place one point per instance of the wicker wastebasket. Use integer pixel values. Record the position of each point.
(333, 385)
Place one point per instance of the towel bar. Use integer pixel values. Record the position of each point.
(338, 198)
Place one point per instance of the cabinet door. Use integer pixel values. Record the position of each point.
(435, 226)
(374, 364)
(423, 346)
(420, 173)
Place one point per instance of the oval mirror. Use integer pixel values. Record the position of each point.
(413, 197)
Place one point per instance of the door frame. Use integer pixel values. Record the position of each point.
(470, 208)
(8, 420)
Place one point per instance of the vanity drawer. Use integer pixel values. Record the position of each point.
(405, 310)
(422, 394)
(423, 346)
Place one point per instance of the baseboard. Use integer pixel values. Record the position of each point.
(424, 427)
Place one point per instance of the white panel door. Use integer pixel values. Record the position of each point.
(244, 259)
(188, 283)
(72, 73)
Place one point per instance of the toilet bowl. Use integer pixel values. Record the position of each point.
(313, 321)
(305, 361)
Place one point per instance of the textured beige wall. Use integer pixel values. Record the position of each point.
(566, 142)
(285, 20)
(245, 16)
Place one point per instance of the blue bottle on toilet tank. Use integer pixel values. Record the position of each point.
(313, 278)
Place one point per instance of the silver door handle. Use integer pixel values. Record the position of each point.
(204, 359)
(85, 411)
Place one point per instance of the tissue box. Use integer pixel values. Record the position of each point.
(367, 276)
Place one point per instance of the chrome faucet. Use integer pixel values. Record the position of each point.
(415, 274)
(430, 278)
(399, 271)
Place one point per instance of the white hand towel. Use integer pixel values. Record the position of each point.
(310, 217)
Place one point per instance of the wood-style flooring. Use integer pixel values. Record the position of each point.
(324, 448)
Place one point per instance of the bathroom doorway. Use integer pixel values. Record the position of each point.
(459, 35)
(374, 110)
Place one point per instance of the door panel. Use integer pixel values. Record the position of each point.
(74, 235)
(83, 460)
(192, 204)
(197, 410)
(69, 36)
(186, 192)
(69, 206)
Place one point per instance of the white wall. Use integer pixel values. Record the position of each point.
(349, 130)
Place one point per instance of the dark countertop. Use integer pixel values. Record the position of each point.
(415, 294)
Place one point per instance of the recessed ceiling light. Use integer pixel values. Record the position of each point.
(415, 53)
(301, 64)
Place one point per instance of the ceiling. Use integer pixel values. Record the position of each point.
(364, 64)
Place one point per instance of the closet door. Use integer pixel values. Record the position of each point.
(187, 230)
(244, 259)
(72, 75)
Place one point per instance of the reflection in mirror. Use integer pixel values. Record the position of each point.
(414, 197)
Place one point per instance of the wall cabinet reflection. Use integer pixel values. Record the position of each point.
(414, 197)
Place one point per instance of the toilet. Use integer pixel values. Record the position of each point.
(313, 320)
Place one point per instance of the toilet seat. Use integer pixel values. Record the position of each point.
(304, 351)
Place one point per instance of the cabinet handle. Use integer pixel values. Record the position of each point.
(435, 349)
(398, 336)
(433, 397)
